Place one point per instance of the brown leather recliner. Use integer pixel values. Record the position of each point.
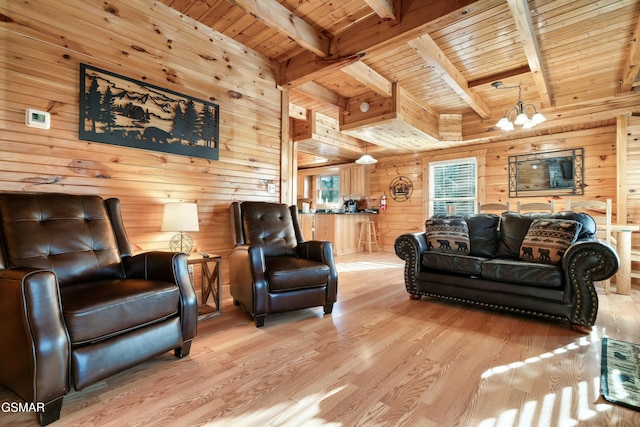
(272, 268)
(75, 305)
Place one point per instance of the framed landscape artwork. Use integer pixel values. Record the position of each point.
(118, 110)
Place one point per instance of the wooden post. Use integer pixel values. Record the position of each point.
(621, 161)
(288, 157)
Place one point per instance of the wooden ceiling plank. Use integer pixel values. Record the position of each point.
(389, 10)
(522, 18)
(419, 18)
(278, 17)
(431, 53)
(632, 62)
(369, 77)
(371, 34)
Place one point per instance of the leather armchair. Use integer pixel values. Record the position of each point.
(272, 268)
(75, 306)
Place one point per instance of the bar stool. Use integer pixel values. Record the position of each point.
(368, 235)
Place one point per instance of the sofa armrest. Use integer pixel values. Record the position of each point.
(322, 251)
(168, 267)
(34, 338)
(583, 263)
(247, 268)
(409, 247)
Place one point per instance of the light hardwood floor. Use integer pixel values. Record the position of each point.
(380, 359)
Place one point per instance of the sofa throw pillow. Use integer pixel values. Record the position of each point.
(449, 234)
(483, 234)
(548, 239)
(513, 228)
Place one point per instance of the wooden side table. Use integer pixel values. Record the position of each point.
(211, 281)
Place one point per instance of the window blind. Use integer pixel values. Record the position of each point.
(452, 186)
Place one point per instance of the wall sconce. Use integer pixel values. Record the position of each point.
(180, 217)
(364, 107)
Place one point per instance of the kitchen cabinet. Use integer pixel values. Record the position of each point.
(304, 186)
(307, 225)
(354, 181)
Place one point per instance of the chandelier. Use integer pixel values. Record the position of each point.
(525, 115)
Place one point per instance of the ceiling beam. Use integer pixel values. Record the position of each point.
(369, 77)
(389, 10)
(322, 93)
(632, 61)
(373, 34)
(274, 15)
(428, 50)
(499, 76)
(524, 25)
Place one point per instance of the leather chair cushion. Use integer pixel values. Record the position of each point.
(461, 264)
(513, 228)
(69, 234)
(521, 272)
(269, 225)
(483, 234)
(97, 310)
(289, 273)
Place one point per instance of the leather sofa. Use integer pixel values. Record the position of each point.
(272, 268)
(75, 305)
(501, 267)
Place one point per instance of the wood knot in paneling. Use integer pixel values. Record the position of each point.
(111, 9)
(90, 168)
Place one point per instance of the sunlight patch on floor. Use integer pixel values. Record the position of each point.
(365, 266)
(539, 414)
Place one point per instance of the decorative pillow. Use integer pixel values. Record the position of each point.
(513, 228)
(449, 234)
(483, 234)
(547, 239)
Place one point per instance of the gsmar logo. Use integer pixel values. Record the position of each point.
(22, 407)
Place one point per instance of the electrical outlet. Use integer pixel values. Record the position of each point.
(190, 269)
(271, 188)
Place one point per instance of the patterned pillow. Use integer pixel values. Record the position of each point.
(448, 234)
(547, 239)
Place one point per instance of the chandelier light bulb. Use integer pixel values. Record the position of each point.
(519, 110)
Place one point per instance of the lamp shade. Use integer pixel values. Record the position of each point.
(366, 160)
(180, 216)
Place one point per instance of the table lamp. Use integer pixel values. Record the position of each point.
(180, 217)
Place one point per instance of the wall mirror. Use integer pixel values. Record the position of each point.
(547, 173)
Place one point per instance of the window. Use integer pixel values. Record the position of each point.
(329, 191)
(452, 186)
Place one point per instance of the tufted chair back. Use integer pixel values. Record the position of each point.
(69, 234)
(270, 225)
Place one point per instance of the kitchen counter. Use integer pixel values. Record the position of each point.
(341, 229)
(347, 213)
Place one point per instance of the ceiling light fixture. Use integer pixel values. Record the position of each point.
(520, 110)
(364, 107)
(366, 159)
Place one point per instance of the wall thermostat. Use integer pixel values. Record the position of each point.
(38, 119)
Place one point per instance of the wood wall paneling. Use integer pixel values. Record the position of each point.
(45, 42)
(400, 217)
